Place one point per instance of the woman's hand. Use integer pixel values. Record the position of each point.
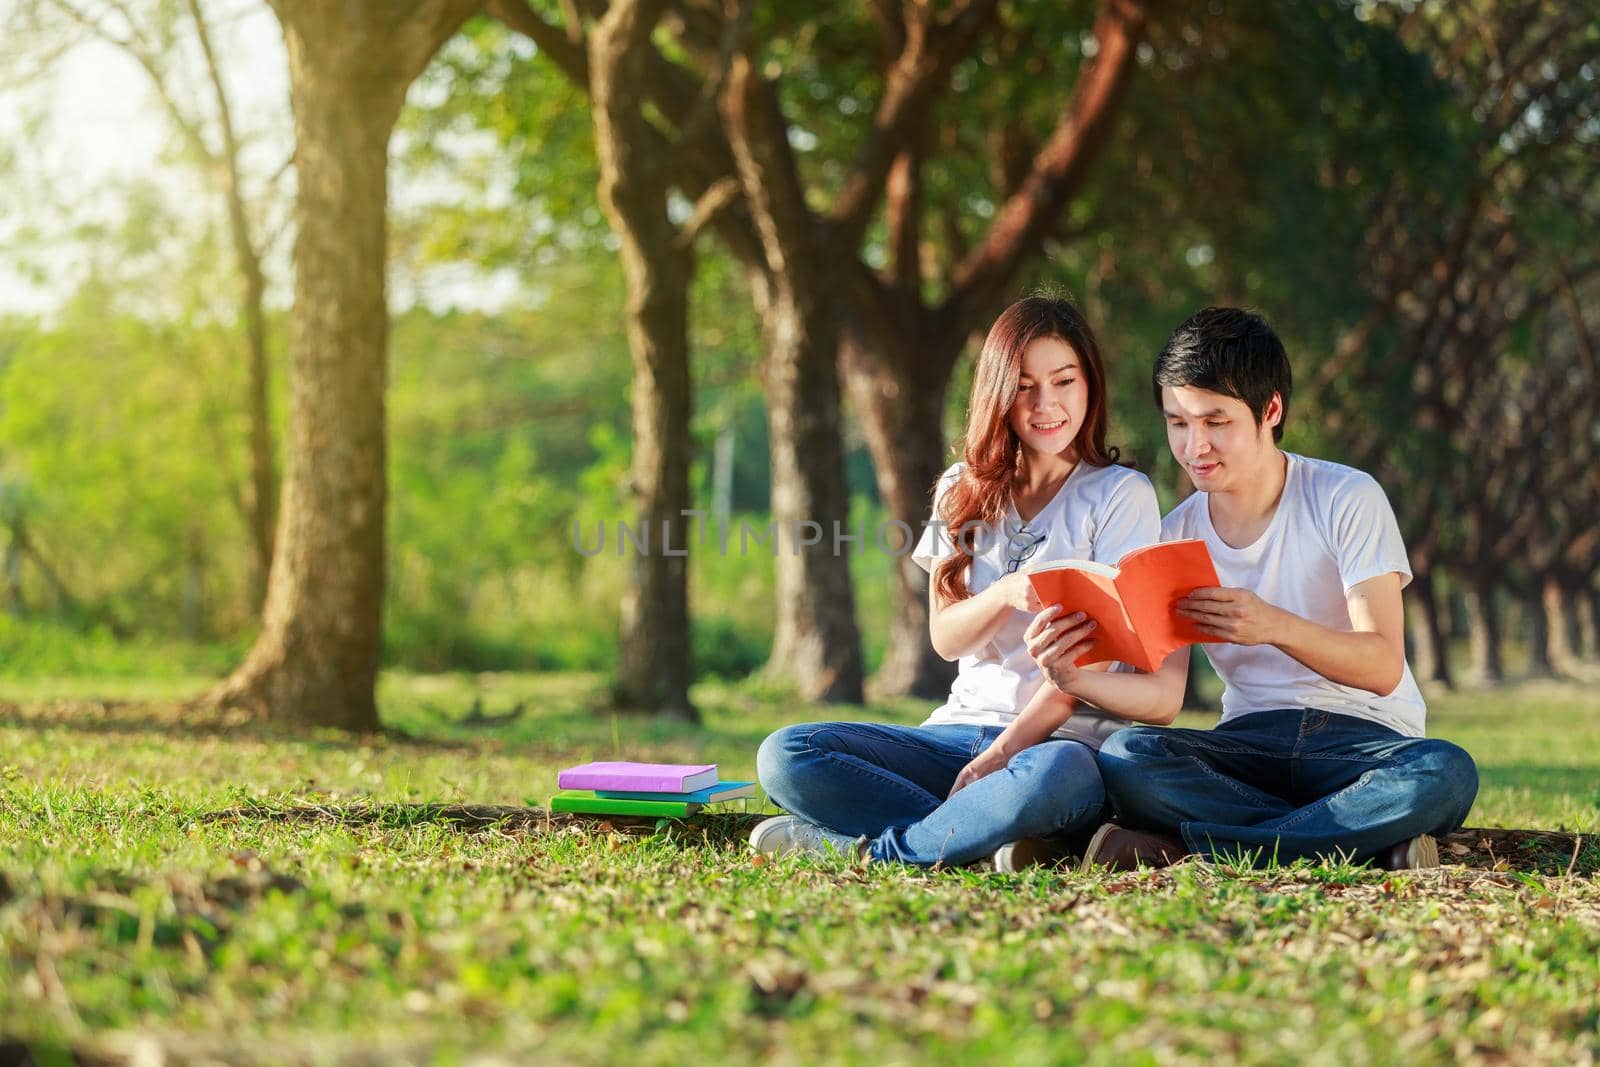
(984, 764)
(1017, 591)
(1056, 643)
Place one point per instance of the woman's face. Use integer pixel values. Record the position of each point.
(1052, 397)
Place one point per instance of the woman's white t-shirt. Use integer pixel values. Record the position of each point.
(1332, 531)
(1100, 514)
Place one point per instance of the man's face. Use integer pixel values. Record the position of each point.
(1216, 439)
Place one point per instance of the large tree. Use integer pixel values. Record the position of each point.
(350, 64)
(822, 306)
(817, 645)
(636, 177)
(910, 323)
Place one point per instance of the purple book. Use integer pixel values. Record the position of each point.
(624, 777)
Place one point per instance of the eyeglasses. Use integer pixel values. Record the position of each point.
(1020, 547)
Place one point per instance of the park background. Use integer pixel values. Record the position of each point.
(300, 405)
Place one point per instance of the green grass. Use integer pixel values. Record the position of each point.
(130, 913)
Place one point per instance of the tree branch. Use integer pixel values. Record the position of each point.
(1061, 166)
(932, 47)
(565, 48)
(757, 133)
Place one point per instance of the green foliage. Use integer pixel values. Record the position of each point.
(507, 143)
(121, 463)
(487, 413)
(31, 649)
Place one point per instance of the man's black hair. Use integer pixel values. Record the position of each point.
(1229, 351)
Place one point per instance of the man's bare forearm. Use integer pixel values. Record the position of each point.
(1358, 658)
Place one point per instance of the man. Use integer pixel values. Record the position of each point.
(1320, 751)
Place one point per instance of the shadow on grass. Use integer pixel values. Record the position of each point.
(133, 719)
(714, 827)
(558, 725)
(1480, 848)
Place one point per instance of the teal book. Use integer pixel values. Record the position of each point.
(708, 795)
(589, 804)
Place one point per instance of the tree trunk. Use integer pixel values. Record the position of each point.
(1448, 607)
(191, 619)
(1561, 606)
(655, 666)
(817, 646)
(1433, 654)
(15, 605)
(902, 418)
(1539, 631)
(1483, 630)
(264, 488)
(261, 500)
(1588, 612)
(315, 662)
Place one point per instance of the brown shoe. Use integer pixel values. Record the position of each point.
(1120, 849)
(1415, 854)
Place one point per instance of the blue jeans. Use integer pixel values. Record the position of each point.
(1288, 784)
(889, 784)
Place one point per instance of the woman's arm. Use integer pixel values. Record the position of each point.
(1142, 697)
(1048, 709)
(962, 627)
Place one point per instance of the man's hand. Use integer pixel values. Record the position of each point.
(1237, 616)
(1055, 644)
(984, 764)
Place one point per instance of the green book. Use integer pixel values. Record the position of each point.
(579, 801)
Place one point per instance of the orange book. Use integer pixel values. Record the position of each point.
(1132, 603)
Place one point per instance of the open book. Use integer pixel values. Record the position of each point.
(1132, 603)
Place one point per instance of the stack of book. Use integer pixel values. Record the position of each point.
(673, 790)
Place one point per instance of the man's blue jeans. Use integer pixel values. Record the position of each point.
(890, 783)
(1288, 784)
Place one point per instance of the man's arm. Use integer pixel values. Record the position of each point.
(1372, 656)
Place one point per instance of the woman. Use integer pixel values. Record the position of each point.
(1008, 760)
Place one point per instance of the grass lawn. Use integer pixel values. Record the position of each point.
(156, 900)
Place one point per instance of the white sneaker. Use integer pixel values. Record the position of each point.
(790, 833)
(1413, 854)
(1015, 856)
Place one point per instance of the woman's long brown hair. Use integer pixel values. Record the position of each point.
(992, 452)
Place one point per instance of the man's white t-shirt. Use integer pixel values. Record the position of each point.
(1100, 514)
(1333, 530)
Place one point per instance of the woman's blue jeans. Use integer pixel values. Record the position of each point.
(890, 783)
(1288, 784)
